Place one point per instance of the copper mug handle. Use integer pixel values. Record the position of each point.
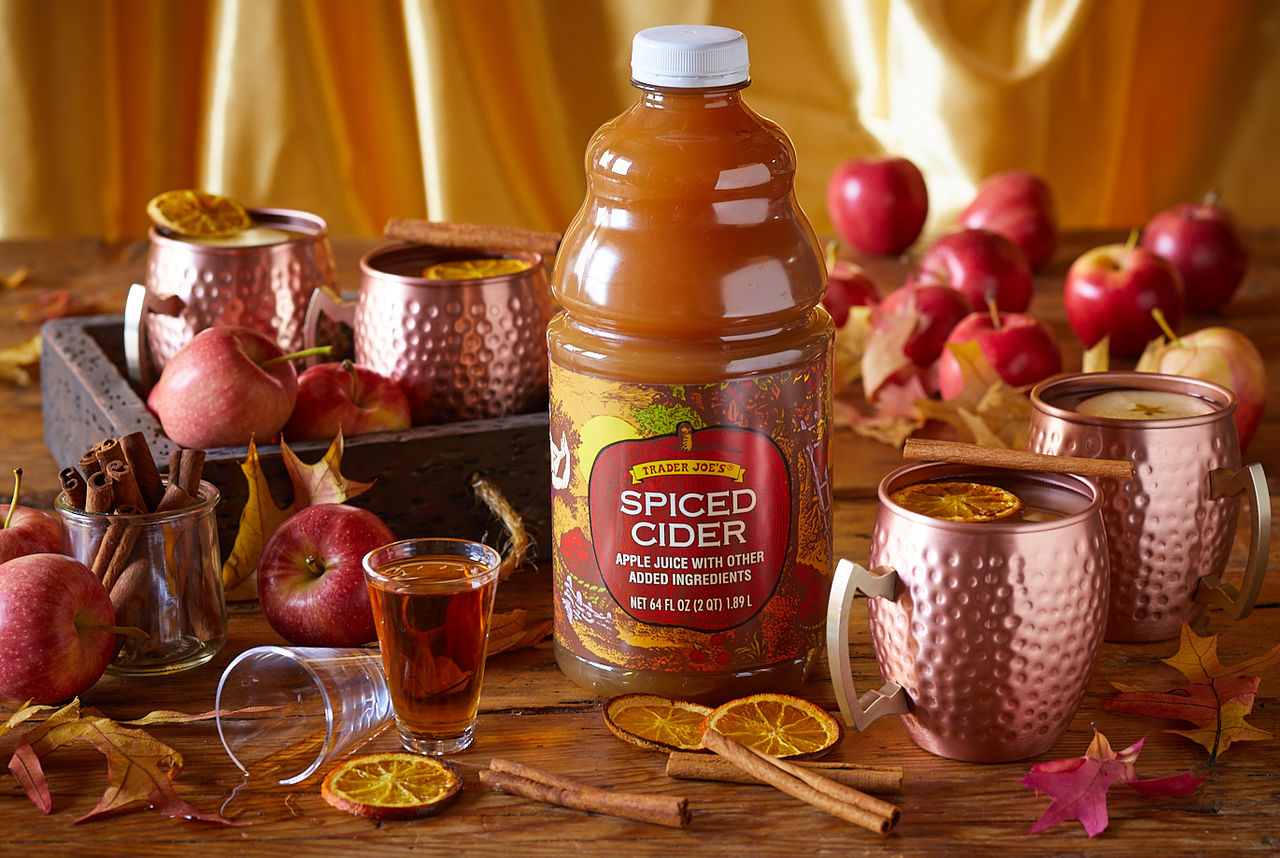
(324, 302)
(1212, 590)
(890, 698)
(137, 354)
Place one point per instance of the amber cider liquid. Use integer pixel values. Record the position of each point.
(433, 640)
(689, 263)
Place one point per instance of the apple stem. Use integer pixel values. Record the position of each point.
(127, 631)
(1158, 315)
(1211, 198)
(314, 566)
(995, 313)
(315, 350)
(13, 502)
(1132, 242)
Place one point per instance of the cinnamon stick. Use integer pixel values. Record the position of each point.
(810, 787)
(687, 765)
(73, 487)
(190, 469)
(930, 450)
(137, 453)
(88, 464)
(129, 594)
(119, 539)
(98, 493)
(473, 235)
(527, 781)
(106, 451)
(124, 487)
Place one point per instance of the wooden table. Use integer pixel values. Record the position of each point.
(532, 714)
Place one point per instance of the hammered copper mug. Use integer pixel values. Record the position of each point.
(262, 280)
(986, 633)
(1171, 528)
(463, 349)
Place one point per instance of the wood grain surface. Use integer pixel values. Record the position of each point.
(532, 714)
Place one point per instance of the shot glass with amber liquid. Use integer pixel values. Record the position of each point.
(433, 603)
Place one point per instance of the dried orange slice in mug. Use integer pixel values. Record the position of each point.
(958, 501)
(474, 269)
(391, 786)
(778, 724)
(655, 722)
(197, 214)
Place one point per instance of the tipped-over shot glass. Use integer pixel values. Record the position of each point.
(284, 712)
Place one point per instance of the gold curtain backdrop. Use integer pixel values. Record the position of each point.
(479, 110)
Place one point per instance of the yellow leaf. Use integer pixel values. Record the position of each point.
(1197, 658)
(850, 345)
(15, 278)
(25, 713)
(16, 361)
(1098, 358)
(318, 483)
(987, 411)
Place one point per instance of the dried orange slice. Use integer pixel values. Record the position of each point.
(958, 501)
(655, 722)
(778, 724)
(391, 786)
(197, 214)
(474, 269)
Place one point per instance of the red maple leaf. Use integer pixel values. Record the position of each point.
(1215, 701)
(1078, 786)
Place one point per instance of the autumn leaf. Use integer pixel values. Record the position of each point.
(851, 342)
(884, 357)
(1098, 358)
(139, 766)
(15, 278)
(17, 361)
(1215, 700)
(513, 630)
(1078, 786)
(321, 482)
(987, 411)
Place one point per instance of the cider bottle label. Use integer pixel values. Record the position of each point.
(693, 520)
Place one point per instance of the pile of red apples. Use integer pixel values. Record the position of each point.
(974, 283)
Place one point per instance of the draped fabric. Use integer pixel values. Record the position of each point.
(479, 110)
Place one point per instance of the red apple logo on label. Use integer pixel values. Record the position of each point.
(691, 529)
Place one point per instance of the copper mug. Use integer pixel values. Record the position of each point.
(463, 349)
(191, 286)
(986, 633)
(1171, 528)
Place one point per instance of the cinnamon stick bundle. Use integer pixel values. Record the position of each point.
(807, 785)
(473, 235)
(527, 781)
(883, 780)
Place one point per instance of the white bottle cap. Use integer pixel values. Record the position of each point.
(689, 56)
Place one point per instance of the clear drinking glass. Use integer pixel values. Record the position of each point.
(164, 573)
(283, 712)
(432, 602)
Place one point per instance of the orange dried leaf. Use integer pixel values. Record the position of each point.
(26, 712)
(987, 411)
(512, 631)
(851, 342)
(15, 278)
(321, 482)
(884, 356)
(17, 361)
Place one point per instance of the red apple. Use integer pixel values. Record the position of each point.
(56, 628)
(310, 579)
(878, 204)
(1018, 205)
(342, 396)
(1204, 243)
(939, 309)
(983, 265)
(1111, 291)
(24, 530)
(1226, 357)
(1020, 347)
(228, 385)
(847, 286)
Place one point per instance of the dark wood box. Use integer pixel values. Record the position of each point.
(421, 476)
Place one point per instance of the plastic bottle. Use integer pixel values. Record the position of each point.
(690, 394)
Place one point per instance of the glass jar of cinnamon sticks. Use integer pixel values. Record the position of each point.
(154, 543)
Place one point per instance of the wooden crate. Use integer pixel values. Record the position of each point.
(421, 476)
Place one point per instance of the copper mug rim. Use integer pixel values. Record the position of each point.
(312, 225)
(415, 253)
(1084, 383)
(905, 475)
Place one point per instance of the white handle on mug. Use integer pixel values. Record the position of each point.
(1212, 590)
(137, 357)
(890, 698)
(325, 302)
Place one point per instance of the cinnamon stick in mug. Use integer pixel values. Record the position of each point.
(956, 452)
